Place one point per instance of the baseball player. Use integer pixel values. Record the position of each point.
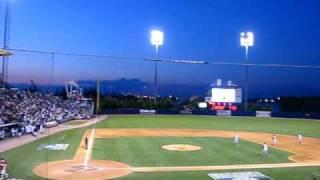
(265, 150)
(300, 138)
(86, 142)
(3, 168)
(236, 139)
(274, 140)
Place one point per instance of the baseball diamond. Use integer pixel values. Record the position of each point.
(160, 90)
(131, 147)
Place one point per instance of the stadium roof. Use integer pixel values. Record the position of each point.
(4, 53)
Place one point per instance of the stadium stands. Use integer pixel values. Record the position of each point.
(22, 109)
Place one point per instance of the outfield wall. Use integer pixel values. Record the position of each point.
(214, 113)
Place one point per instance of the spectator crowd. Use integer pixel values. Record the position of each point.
(31, 110)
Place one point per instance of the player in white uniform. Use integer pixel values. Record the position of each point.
(265, 149)
(3, 169)
(236, 139)
(300, 138)
(274, 140)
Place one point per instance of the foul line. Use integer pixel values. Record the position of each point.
(62, 138)
(90, 144)
(224, 167)
(213, 168)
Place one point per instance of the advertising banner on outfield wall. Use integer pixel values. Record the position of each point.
(223, 113)
(146, 112)
(263, 113)
(185, 112)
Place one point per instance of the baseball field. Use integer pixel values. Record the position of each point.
(171, 147)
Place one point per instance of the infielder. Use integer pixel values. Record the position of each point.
(236, 139)
(300, 138)
(265, 149)
(274, 140)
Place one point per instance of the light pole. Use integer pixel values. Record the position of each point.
(156, 40)
(6, 39)
(246, 40)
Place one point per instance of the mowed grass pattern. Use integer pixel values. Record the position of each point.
(308, 128)
(215, 151)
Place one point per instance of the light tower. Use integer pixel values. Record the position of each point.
(6, 40)
(246, 40)
(156, 40)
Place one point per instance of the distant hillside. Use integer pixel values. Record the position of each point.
(127, 86)
(137, 86)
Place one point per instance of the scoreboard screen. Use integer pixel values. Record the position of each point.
(226, 95)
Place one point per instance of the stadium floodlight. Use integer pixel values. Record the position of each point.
(246, 40)
(156, 40)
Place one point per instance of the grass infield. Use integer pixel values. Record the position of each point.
(215, 151)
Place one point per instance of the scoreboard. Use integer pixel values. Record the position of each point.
(226, 95)
(224, 98)
(223, 106)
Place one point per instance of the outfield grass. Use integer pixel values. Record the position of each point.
(24, 158)
(215, 151)
(308, 128)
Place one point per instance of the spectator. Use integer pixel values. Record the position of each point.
(2, 133)
(34, 108)
(13, 132)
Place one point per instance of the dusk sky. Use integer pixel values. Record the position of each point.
(286, 32)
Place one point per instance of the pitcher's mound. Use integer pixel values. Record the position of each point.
(181, 147)
(72, 169)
